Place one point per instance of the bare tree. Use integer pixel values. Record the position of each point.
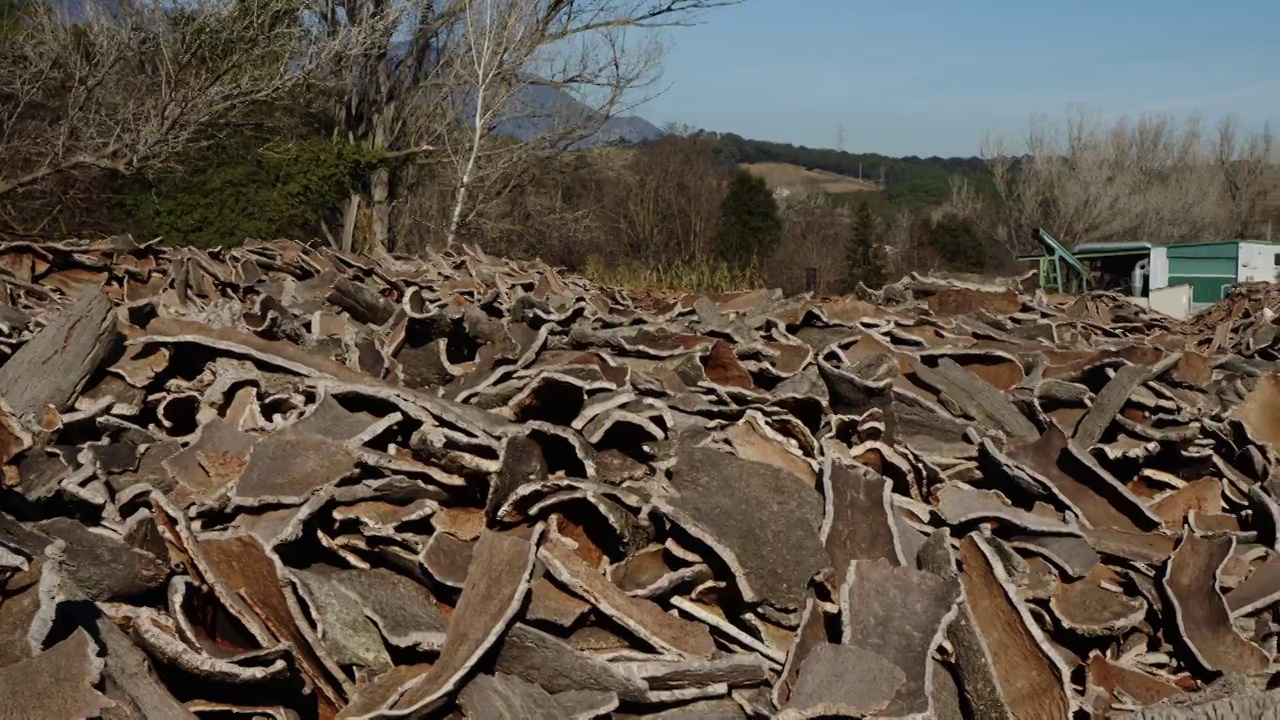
(815, 236)
(1244, 160)
(1151, 179)
(494, 31)
(127, 87)
(456, 71)
(666, 202)
(511, 70)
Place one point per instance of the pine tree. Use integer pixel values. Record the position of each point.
(750, 226)
(864, 257)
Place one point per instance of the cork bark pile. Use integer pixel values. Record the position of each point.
(287, 482)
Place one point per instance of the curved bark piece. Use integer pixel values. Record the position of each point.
(715, 618)
(974, 663)
(206, 467)
(857, 523)
(129, 679)
(286, 469)
(274, 353)
(522, 464)
(901, 614)
(330, 420)
(102, 566)
(642, 617)
(1089, 608)
(248, 571)
(1151, 548)
(1200, 613)
(586, 704)
(844, 681)
(1071, 555)
(51, 367)
(1046, 457)
(504, 696)
(1203, 497)
(1259, 591)
(57, 683)
(31, 600)
(557, 667)
(346, 632)
(1109, 677)
(448, 559)
(159, 635)
(961, 504)
(550, 604)
(1107, 404)
(1260, 411)
(1031, 676)
(984, 403)
(497, 583)
(722, 501)
(811, 633)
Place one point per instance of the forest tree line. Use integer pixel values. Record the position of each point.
(374, 125)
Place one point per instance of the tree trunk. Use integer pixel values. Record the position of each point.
(349, 222)
(464, 182)
(380, 206)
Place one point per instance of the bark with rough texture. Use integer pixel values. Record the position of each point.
(52, 367)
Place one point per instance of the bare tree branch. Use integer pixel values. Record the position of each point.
(457, 74)
(1152, 179)
(128, 87)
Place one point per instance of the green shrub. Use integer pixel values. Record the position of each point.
(240, 188)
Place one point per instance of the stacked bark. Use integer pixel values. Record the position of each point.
(285, 482)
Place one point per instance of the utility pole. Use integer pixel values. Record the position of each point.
(840, 138)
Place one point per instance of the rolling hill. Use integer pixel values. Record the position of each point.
(799, 180)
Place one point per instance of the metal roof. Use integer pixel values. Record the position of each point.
(1232, 241)
(1111, 247)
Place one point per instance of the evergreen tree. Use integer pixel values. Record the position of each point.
(864, 257)
(958, 242)
(750, 226)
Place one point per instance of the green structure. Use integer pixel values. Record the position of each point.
(1210, 268)
(1055, 263)
(1206, 270)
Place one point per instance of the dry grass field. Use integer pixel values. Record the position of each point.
(802, 180)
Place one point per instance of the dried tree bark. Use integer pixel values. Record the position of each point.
(51, 368)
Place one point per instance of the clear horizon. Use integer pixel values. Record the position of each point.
(926, 77)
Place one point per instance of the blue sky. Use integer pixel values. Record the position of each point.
(925, 77)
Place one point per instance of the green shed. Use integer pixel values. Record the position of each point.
(1210, 268)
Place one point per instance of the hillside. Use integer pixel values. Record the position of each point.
(908, 183)
(797, 179)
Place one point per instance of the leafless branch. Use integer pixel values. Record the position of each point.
(1153, 178)
(128, 87)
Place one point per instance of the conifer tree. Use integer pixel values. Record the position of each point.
(750, 226)
(864, 257)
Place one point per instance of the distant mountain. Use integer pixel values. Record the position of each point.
(537, 110)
